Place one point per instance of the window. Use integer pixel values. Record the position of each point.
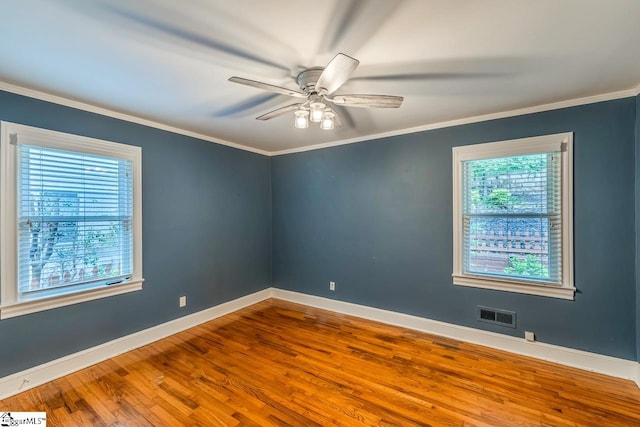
(70, 219)
(512, 216)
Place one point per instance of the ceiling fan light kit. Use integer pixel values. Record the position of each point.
(328, 121)
(301, 119)
(317, 108)
(317, 84)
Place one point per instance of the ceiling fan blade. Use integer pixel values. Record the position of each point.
(336, 73)
(267, 86)
(279, 112)
(368, 101)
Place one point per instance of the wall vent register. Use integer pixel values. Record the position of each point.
(497, 316)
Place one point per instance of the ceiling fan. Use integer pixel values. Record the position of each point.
(317, 86)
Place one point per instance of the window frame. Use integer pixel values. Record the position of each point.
(11, 135)
(562, 142)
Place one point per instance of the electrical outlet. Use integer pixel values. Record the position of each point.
(332, 286)
(529, 336)
(183, 301)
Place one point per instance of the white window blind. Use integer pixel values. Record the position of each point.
(512, 217)
(71, 209)
(74, 219)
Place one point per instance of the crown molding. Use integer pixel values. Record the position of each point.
(32, 93)
(486, 117)
(56, 99)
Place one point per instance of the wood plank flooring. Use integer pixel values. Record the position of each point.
(278, 363)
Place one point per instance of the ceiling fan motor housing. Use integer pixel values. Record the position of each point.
(307, 79)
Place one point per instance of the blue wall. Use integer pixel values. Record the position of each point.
(206, 235)
(637, 155)
(376, 217)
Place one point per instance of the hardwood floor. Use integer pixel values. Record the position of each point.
(278, 363)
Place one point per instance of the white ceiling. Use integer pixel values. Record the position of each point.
(168, 61)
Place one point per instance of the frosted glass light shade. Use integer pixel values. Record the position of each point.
(302, 119)
(328, 121)
(317, 111)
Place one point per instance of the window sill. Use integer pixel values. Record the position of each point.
(554, 291)
(26, 307)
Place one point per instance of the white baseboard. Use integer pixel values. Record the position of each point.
(616, 367)
(46, 372)
(49, 371)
